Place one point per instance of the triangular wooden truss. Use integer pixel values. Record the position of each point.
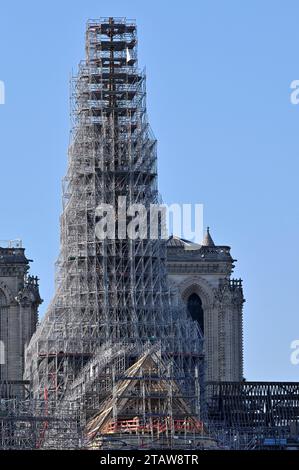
(146, 399)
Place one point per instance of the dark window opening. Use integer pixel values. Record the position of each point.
(195, 309)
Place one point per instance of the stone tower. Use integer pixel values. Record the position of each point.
(19, 301)
(201, 274)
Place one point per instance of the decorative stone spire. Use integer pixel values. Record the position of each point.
(207, 241)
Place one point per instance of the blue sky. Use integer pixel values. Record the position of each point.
(218, 82)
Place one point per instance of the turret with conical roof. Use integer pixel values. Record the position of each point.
(207, 241)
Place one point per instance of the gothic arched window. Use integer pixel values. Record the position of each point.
(2, 354)
(3, 318)
(3, 301)
(194, 305)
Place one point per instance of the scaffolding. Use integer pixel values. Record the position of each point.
(244, 415)
(147, 408)
(38, 424)
(112, 301)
